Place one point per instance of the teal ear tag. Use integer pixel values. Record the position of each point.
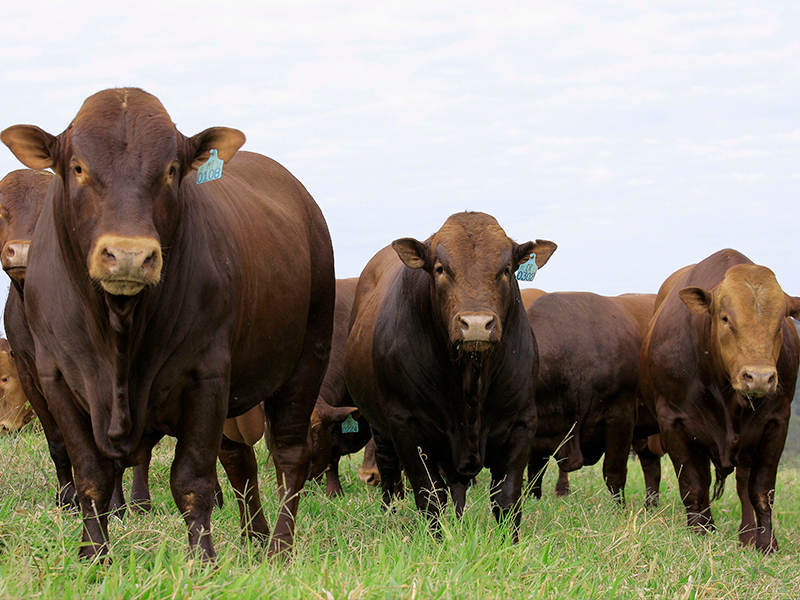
(527, 271)
(349, 425)
(211, 170)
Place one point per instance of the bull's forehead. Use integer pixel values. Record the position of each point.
(126, 122)
(22, 196)
(752, 292)
(472, 239)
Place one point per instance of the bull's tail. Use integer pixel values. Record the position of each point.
(719, 482)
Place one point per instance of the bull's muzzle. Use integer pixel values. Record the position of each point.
(14, 258)
(477, 331)
(756, 382)
(124, 266)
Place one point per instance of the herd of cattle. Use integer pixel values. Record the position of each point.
(145, 304)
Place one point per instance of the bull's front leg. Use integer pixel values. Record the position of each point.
(693, 468)
(193, 476)
(94, 474)
(761, 483)
(507, 467)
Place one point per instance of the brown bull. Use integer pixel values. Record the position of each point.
(718, 367)
(15, 410)
(586, 394)
(162, 306)
(22, 195)
(442, 363)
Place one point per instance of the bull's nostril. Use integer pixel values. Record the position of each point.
(490, 325)
(748, 378)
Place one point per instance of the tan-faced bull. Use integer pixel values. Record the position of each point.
(160, 306)
(718, 367)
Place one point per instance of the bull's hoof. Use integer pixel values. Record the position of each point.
(67, 498)
(97, 553)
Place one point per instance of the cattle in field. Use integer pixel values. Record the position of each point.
(718, 368)
(15, 410)
(22, 195)
(442, 363)
(587, 386)
(160, 305)
(333, 434)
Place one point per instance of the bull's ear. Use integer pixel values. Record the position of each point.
(224, 140)
(413, 253)
(34, 147)
(542, 248)
(793, 307)
(696, 299)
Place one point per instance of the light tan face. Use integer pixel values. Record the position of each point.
(748, 310)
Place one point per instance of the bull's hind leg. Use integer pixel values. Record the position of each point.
(239, 462)
(289, 410)
(537, 466)
(618, 436)
(651, 468)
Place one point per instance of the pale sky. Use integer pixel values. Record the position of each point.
(638, 136)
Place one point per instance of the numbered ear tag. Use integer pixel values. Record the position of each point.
(527, 271)
(211, 170)
(349, 425)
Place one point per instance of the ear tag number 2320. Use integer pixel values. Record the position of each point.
(527, 271)
(211, 170)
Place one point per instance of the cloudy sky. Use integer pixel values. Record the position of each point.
(638, 136)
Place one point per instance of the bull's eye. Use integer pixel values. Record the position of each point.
(4, 380)
(724, 318)
(172, 170)
(507, 271)
(77, 169)
(439, 270)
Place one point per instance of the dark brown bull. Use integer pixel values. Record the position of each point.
(162, 306)
(22, 195)
(328, 441)
(718, 368)
(442, 363)
(586, 395)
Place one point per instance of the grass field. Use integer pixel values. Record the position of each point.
(584, 546)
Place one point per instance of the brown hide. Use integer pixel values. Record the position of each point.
(15, 410)
(586, 393)
(718, 367)
(529, 295)
(162, 306)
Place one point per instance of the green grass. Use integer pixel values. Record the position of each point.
(584, 546)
